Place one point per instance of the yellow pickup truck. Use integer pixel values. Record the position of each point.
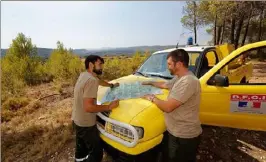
(134, 130)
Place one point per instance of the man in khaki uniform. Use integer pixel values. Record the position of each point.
(181, 110)
(88, 146)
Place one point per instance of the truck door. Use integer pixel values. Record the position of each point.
(206, 61)
(236, 104)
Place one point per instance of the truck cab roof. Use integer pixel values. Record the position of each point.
(186, 48)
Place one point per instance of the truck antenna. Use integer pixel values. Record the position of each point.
(183, 33)
(176, 45)
(179, 39)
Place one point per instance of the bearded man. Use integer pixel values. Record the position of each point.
(85, 108)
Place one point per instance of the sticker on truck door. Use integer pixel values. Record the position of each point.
(255, 104)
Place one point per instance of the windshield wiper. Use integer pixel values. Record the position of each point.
(140, 73)
(161, 76)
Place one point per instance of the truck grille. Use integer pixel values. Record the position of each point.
(119, 132)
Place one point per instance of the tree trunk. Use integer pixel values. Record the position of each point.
(260, 53)
(260, 26)
(233, 21)
(238, 31)
(219, 34)
(223, 29)
(215, 24)
(195, 22)
(246, 30)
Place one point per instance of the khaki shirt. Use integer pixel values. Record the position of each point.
(86, 87)
(184, 121)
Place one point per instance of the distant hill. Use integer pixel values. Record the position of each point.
(45, 52)
(126, 50)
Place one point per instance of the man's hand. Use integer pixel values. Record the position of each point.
(149, 97)
(147, 83)
(113, 104)
(90, 105)
(116, 85)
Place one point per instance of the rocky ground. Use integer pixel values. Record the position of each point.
(217, 145)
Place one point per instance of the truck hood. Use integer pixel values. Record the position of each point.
(128, 108)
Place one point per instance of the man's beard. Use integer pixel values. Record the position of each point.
(171, 72)
(97, 71)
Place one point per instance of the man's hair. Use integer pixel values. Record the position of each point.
(92, 59)
(179, 55)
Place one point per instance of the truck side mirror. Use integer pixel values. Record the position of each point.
(221, 80)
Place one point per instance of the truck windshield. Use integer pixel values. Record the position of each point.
(156, 65)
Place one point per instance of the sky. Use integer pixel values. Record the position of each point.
(92, 24)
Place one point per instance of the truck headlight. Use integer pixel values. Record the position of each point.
(140, 131)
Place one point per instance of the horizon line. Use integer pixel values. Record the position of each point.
(113, 47)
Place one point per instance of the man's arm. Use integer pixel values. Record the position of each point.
(90, 106)
(166, 106)
(106, 84)
(180, 94)
(89, 98)
(162, 85)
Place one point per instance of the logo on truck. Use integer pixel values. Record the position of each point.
(248, 103)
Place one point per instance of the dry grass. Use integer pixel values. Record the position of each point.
(40, 134)
(36, 133)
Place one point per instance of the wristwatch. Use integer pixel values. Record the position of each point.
(112, 85)
(152, 98)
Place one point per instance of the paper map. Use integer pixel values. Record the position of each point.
(129, 90)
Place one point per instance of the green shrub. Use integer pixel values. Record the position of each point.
(63, 65)
(115, 68)
(20, 67)
(12, 80)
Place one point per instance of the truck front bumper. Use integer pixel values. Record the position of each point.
(150, 155)
(138, 149)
